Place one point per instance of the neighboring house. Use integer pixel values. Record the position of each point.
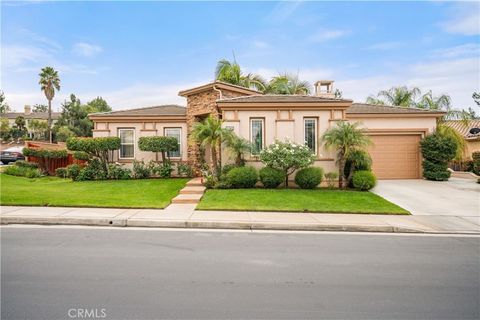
(261, 119)
(29, 115)
(471, 133)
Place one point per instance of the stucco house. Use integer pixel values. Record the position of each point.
(28, 115)
(261, 119)
(471, 133)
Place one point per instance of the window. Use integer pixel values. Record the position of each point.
(127, 143)
(256, 135)
(176, 133)
(310, 133)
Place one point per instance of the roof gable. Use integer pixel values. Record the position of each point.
(218, 85)
(162, 110)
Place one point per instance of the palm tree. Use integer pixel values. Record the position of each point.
(288, 84)
(396, 96)
(49, 82)
(430, 102)
(238, 146)
(231, 72)
(345, 138)
(209, 132)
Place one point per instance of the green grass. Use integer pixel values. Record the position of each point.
(320, 200)
(52, 191)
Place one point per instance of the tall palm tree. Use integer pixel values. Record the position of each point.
(49, 82)
(345, 137)
(430, 102)
(288, 84)
(238, 146)
(396, 96)
(231, 72)
(209, 132)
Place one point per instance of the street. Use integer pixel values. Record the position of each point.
(164, 274)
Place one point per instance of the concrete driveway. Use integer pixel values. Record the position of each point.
(456, 197)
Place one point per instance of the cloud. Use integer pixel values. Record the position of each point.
(389, 45)
(465, 19)
(469, 49)
(48, 43)
(260, 44)
(282, 11)
(16, 55)
(86, 49)
(326, 35)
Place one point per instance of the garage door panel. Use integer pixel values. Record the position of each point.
(395, 156)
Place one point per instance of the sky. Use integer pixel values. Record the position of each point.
(138, 54)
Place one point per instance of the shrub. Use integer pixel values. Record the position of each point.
(364, 180)
(242, 177)
(331, 177)
(23, 163)
(73, 171)
(356, 160)
(164, 170)
(476, 162)
(271, 177)
(226, 168)
(223, 184)
(141, 170)
(61, 172)
(117, 172)
(160, 144)
(81, 155)
(287, 156)
(309, 178)
(20, 171)
(92, 171)
(209, 181)
(184, 170)
(437, 151)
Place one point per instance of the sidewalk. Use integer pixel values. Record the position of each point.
(184, 216)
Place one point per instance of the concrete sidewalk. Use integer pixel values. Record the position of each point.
(184, 216)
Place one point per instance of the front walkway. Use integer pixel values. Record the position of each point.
(184, 216)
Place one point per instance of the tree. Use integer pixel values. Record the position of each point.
(49, 82)
(160, 144)
(209, 132)
(338, 94)
(238, 147)
(476, 98)
(448, 132)
(39, 128)
(288, 84)
(287, 156)
(396, 96)
(231, 72)
(63, 133)
(40, 108)
(20, 123)
(4, 129)
(428, 101)
(437, 151)
(345, 138)
(97, 105)
(4, 107)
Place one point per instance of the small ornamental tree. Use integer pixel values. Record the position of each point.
(44, 156)
(287, 156)
(97, 148)
(158, 144)
(437, 151)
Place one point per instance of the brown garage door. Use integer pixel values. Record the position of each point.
(396, 156)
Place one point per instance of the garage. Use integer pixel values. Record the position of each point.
(396, 156)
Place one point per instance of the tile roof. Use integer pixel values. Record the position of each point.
(33, 115)
(162, 110)
(463, 128)
(225, 85)
(374, 109)
(280, 98)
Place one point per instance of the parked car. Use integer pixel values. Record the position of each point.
(11, 155)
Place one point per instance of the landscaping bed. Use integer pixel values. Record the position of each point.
(318, 200)
(53, 191)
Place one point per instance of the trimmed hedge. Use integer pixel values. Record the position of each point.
(242, 177)
(364, 180)
(437, 151)
(309, 178)
(271, 177)
(93, 145)
(44, 153)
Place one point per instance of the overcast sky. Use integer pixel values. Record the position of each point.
(137, 54)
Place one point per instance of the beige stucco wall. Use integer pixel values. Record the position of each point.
(150, 129)
(421, 123)
(472, 146)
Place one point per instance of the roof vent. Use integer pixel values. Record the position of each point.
(474, 131)
(324, 88)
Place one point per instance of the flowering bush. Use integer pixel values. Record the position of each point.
(287, 156)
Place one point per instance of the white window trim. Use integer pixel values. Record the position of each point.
(263, 134)
(119, 151)
(179, 140)
(316, 132)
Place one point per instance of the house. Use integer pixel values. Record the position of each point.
(395, 131)
(471, 133)
(28, 115)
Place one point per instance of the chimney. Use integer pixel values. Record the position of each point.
(324, 89)
(28, 109)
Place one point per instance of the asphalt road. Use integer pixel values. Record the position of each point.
(154, 274)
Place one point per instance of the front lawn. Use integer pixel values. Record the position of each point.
(52, 191)
(321, 200)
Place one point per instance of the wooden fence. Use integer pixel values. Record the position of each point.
(52, 164)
